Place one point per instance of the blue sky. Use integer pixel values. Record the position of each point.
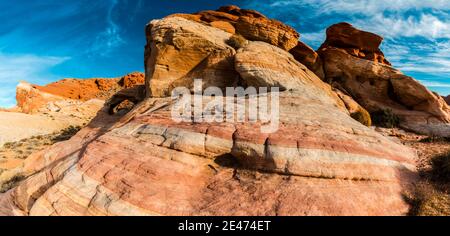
(46, 40)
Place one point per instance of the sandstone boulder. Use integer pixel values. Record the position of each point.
(179, 51)
(308, 57)
(356, 42)
(269, 31)
(378, 87)
(248, 23)
(235, 10)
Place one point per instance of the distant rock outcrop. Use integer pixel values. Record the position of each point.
(32, 99)
(319, 161)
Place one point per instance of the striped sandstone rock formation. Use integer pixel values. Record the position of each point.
(319, 161)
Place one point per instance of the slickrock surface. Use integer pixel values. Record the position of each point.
(320, 162)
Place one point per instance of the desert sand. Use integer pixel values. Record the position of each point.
(17, 126)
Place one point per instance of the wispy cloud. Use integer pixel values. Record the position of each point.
(110, 38)
(391, 18)
(435, 84)
(14, 68)
(366, 7)
(397, 25)
(314, 38)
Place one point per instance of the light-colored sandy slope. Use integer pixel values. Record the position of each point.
(17, 126)
(54, 117)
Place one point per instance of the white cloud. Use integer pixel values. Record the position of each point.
(314, 39)
(434, 84)
(424, 25)
(429, 57)
(14, 68)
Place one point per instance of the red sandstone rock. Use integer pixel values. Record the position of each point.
(269, 31)
(210, 16)
(131, 80)
(344, 35)
(235, 10)
(356, 42)
(224, 25)
(31, 98)
(308, 57)
(447, 99)
(248, 23)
